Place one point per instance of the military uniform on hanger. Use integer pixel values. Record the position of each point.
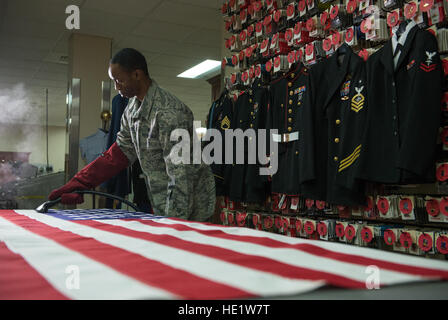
(250, 113)
(405, 80)
(286, 104)
(333, 126)
(220, 117)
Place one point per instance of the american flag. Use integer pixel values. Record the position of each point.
(114, 254)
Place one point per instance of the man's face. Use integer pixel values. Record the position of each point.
(126, 83)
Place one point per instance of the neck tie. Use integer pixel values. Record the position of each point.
(398, 49)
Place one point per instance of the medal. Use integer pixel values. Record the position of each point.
(432, 207)
(340, 230)
(425, 242)
(298, 225)
(350, 232)
(322, 229)
(406, 206)
(358, 100)
(309, 227)
(406, 240)
(442, 244)
(389, 237)
(366, 234)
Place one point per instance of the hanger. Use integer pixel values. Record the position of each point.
(342, 49)
(341, 52)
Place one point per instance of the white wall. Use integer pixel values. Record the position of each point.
(32, 138)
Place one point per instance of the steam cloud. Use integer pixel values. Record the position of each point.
(20, 126)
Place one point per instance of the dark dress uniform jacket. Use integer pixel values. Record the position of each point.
(286, 100)
(404, 111)
(333, 126)
(220, 117)
(120, 184)
(250, 113)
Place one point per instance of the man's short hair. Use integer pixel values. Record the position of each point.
(131, 60)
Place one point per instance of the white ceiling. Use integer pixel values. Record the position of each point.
(172, 34)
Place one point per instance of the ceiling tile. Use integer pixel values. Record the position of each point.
(173, 31)
(165, 71)
(211, 4)
(188, 15)
(153, 48)
(133, 8)
(181, 63)
(96, 22)
(49, 11)
(19, 26)
(150, 48)
(207, 38)
(203, 52)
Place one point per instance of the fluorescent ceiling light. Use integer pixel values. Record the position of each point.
(203, 67)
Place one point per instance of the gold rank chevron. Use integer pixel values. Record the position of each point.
(357, 105)
(347, 162)
(358, 100)
(225, 123)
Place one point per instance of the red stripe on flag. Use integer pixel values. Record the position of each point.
(19, 281)
(245, 260)
(151, 272)
(312, 249)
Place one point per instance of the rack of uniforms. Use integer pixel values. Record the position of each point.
(354, 90)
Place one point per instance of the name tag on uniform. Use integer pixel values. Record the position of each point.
(286, 137)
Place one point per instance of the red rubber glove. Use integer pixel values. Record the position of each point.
(98, 171)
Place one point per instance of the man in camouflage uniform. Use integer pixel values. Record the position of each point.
(185, 191)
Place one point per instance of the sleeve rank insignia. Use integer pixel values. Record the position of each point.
(429, 66)
(225, 123)
(347, 162)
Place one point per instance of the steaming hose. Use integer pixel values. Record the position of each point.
(43, 208)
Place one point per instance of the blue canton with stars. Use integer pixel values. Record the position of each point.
(100, 214)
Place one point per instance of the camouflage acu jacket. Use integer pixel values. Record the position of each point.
(186, 191)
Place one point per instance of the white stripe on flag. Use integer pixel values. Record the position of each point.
(51, 260)
(212, 269)
(287, 255)
(370, 253)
